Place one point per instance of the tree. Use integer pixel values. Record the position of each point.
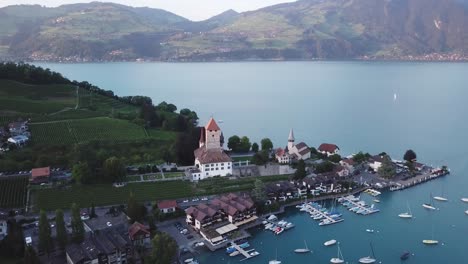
(255, 147)
(114, 170)
(266, 144)
(233, 143)
(300, 170)
(81, 173)
(387, 170)
(313, 151)
(260, 158)
(135, 211)
(77, 226)
(164, 249)
(410, 155)
(334, 158)
(45, 239)
(30, 256)
(360, 157)
(244, 144)
(324, 167)
(259, 190)
(60, 228)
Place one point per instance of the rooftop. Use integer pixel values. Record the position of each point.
(167, 204)
(327, 147)
(211, 125)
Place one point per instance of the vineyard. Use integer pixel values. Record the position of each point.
(13, 192)
(82, 130)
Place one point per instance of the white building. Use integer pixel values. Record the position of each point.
(18, 140)
(298, 151)
(328, 149)
(375, 162)
(210, 158)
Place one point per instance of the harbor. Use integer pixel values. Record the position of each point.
(354, 204)
(418, 179)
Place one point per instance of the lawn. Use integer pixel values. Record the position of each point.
(173, 174)
(106, 194)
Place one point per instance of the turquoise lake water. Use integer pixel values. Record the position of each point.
(350, 104)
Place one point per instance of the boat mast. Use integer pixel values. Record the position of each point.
(372, 248)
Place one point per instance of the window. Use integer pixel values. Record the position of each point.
(228, 167)
(216, 168)
(222, 168)
(207, 174)
(222, 164)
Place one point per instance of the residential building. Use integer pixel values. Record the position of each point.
(348, 163)
(210, 158)
(341, 171)
(168, 206)
(375, 162)
(19, 140)
(40, 175)
(139, 234)
(222, 216)
(298, 151)
(108, 246)
(328, 149)
(284, 189)
(18, 127)
(3, 226)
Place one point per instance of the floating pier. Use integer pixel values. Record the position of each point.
(358, 207)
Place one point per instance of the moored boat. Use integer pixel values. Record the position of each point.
(428, 206)
(408, 214)
(368, 259)
(466, 212)
(441, 199)
(465, 200)
(339, 258)
(430, 242)
(330, 243)
(302, 250)
(405, 255)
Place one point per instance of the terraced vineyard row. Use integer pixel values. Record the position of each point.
(13, 191)
(52, 133)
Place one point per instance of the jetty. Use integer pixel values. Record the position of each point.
(245, 253)
(434, 174)
(358, 207)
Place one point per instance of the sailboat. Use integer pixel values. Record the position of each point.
(339, 258)
(465, 200)
(406, 215)
(429, 205)
(431, 241)
(441, 198)
(302, 250)
(368, 259)
(275, 261)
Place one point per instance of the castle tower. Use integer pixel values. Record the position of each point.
(291, 140)
(212, 135)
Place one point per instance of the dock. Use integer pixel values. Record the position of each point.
(419, 179)
(245, 253)
(361, 208)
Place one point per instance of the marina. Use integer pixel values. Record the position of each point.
(241, 249)
(317, 212)
(357, 206)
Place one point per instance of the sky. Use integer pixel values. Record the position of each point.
(192, 9)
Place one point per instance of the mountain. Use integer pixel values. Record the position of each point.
(306, 29)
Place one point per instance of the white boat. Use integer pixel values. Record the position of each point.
(302, 250)
(339, 258)
(368, 259)
(188, 260)
(466, 212)
(465, 200)
(235, 253)
(275, 261)
(330, 243)
(253, 254)
(272, 218)
(376, 201)
(406, 215)
(430, 242)
(370, 230)
(440, 199)
(429, 205)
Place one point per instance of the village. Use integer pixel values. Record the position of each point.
(216, 221)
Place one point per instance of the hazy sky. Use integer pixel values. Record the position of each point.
(191, 9)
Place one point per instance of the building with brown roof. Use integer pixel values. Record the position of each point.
(167, 206)
(40, 175)
(139, 234)
(328, 149)
(210, 158)
(298, 151)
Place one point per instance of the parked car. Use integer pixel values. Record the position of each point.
(195, 199)
(189, 237)
(204, 199)
(185, 201)
(184, 231)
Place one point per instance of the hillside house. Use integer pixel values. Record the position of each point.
(40, 175)
(375, 162)
(18, 127)
(19, 140)
(168, 206)
(328, 149)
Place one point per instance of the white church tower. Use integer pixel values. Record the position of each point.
(291, 140)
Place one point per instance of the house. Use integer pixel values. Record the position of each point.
(19, 140)
(418, 166)
(3, 226)
(139, 234)
(40, 175)
(375, 162)
(341, 171)
(276, 190)
(328, 149)
(18, 127)
(282, 156)
(236, 210)
(210, 158)
(104, 247)
(348, 163)
(168, 206)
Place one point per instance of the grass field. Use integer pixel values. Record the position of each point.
(99, 128)
(13, 191)
(173, 174)
(105, 194)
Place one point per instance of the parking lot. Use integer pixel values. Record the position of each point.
(175, 228)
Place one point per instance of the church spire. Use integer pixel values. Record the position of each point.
(291, 136)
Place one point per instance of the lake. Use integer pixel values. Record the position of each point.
(369, 106)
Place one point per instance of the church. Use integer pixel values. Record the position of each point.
(210, 158)
(298, 151)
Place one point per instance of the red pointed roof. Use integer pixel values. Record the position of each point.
(212, 125)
